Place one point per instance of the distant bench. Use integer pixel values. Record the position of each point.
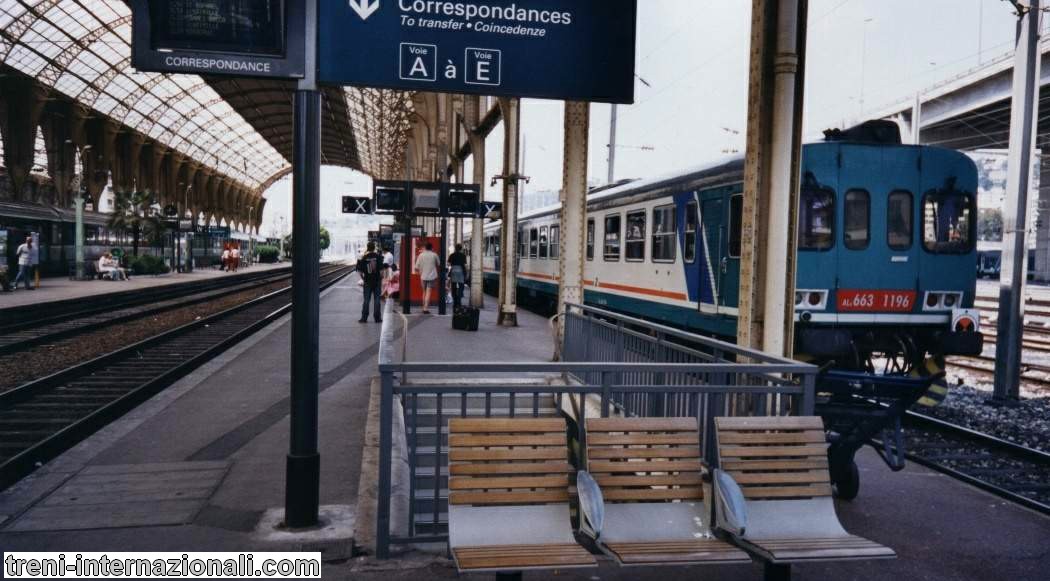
(644, 498)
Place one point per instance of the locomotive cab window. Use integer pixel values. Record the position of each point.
(534, 243)
(816, 218)
(555, 242)
(948, 222)
(635, 238)
(543, 242)
(857, 230)
(736, 224)
(899, 220)
(690, 232)
(611, 249)
(665, 229)
(590, 239)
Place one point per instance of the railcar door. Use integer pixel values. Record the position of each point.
(713, 244)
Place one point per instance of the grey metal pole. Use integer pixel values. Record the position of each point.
(303, 465)
(1010, 328)
(79, 235)
(477, 225)
(508, 291)
(612, 145)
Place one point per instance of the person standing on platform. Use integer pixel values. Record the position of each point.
(34, 263)
(457, 275)
(370, 267)
(24, 253)
(388, 256)
(235, 257)
(224, 262)
(427, 264)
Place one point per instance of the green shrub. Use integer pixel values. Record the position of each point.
(267, 253)
(147, 264)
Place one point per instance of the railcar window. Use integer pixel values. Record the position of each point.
(543, 242)
(816, 219)
(555, 251)
(736, 224)
(690, 232)
(534, 243)
(857, 231)
(899, 220)
(611, 249)
(590, 239)
(948, 223)
(522, 244)
(635, 238)
(665, 230)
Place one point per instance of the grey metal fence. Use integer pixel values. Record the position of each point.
(623, 366)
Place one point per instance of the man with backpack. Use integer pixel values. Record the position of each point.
(370, 267)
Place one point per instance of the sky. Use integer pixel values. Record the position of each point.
(693, 56)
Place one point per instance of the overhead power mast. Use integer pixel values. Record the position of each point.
(1023, 109)
(771, 175)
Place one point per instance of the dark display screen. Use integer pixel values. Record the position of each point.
(463, 201)
(390, 200)
(229, 26)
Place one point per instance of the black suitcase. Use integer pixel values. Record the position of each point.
(465, 319)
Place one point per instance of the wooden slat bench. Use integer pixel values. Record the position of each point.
(509, 496)
(650, 479)
(780, 467)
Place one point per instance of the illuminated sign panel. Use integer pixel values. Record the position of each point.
(261, 38)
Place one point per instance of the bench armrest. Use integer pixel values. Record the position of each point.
(730, 505)
(592, 504)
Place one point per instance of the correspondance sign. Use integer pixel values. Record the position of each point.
(555, 49)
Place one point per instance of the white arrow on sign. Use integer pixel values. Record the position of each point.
(364, 8)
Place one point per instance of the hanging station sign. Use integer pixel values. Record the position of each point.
(582, 50)
(250, 38)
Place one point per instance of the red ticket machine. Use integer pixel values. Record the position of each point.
(416, 283)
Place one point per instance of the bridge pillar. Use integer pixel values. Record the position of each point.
(508, 275)
(573, 207)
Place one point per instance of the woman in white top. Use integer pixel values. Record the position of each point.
(427, 264)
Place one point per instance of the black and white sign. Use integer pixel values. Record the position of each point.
(357, 205)
(491, 210)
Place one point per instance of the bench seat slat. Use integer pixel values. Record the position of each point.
(850, 547)
(768, 465)
(515, 468)
(653, 494)
(811, 476)
(678, 552)
(524, 497)
(509, 483)
(651, 480)
(619, 453)
(476, 441)
(641, 439)
(810, 491)
(598, 425)
(506, 425)
(807, 437)
(641, 466)
(729, 424)
(772, 451)
(462, 455)
(513, 557)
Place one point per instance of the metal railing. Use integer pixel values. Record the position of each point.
(620, 365)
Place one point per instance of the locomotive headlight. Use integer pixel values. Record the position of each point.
(811, 300)
(942, 300)
(932, 300)
(949, 300)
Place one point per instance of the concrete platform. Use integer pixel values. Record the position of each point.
(207, 456)
(60, 289)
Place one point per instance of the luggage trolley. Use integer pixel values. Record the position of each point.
(856, 408)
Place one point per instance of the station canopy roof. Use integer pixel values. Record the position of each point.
(242, 128)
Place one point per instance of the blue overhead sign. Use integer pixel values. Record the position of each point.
(582, 50)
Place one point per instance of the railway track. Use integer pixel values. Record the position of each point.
(43, 418)
(971, 364)
(14, 319)
(1011, 471)
(22, 336)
